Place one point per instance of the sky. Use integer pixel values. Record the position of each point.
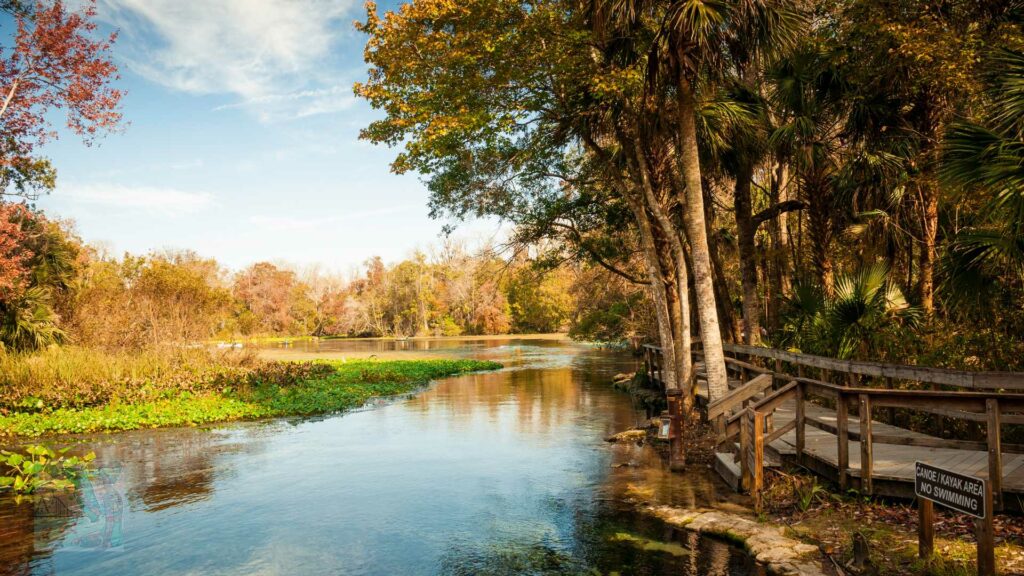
(242, 141)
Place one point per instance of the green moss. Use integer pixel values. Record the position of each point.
(347, 385)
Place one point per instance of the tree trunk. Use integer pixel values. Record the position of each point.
(778, 231)
(696, 232)
(820, 231)
(727, 319)
(929, 233)
(748, 256)
(659, 293)
(684, 358)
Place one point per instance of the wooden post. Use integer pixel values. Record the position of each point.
(843, 440)
(758, 444)
(676, 458)
(892, 409)
(995, 451)
(801, 431)
(986, 538)
(745, 449)
(925, 528)
(866, 456)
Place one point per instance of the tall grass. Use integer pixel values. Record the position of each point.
(75, 377)
(73, 390)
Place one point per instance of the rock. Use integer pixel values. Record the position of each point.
(637, 435)
(622, 377)
(768, 544)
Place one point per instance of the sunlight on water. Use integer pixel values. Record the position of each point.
(499, 473)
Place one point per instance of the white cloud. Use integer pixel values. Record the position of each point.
(269, 53)
(295, 224)
(154, 199)
(297, 104)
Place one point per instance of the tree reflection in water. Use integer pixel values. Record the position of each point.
(496, 473)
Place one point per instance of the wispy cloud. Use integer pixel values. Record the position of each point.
(299, 224)
(269, 53)
(297, 104)
(154, 199)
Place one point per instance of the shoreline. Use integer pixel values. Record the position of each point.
(348, 386)
(291, 354)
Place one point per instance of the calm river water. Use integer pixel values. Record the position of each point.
(501, 473)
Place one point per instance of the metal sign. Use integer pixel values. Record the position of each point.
(955, 491)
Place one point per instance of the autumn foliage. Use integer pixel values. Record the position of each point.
(12, 250)
(53, 63)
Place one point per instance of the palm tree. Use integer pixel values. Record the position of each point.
(988, 158)
(864, 308)
(29, 322)
(700, 41)
(808, 90)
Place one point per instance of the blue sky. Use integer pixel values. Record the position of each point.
(242, 141)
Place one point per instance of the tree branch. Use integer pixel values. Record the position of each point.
(597, 257)
(776, 210)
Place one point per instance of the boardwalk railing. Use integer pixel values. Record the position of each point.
(745, 422)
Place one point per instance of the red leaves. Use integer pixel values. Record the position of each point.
(13, 253)
(55, 63)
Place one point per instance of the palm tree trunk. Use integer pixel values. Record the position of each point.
(659, 293)
(723, 298)
(820, 231)
(929, 233)
(696, 232)
(778, 231)
(684, 358)
(748, 258)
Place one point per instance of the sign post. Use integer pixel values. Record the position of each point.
(965, 494)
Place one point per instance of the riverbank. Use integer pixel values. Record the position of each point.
(418, 348)
(809, 527)
(195, 389)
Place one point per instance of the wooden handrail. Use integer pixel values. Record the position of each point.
(984, 380)
(991, 397)
(737, 396)
(945, 376)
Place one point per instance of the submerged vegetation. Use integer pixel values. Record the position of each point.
(43, 395)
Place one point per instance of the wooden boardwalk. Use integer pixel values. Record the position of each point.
(892, 462)
(795, 420)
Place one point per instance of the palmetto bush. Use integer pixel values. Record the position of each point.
(865, 310)
(29, 323)
(984, 161)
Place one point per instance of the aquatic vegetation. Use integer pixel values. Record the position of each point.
(649, 545)
(41, 467)
(276, 389)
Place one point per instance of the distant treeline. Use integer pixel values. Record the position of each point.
(55, 288)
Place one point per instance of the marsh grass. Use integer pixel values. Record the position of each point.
(74, 377)
(73, 390)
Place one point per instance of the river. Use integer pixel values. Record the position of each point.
(485, 474)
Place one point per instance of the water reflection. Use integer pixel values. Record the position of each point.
(498, 473)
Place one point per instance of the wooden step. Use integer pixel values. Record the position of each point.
(728, 467)
(728, 470)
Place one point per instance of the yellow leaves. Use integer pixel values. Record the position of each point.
(617, 83)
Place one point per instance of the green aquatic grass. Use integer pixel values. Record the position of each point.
(348, 385)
